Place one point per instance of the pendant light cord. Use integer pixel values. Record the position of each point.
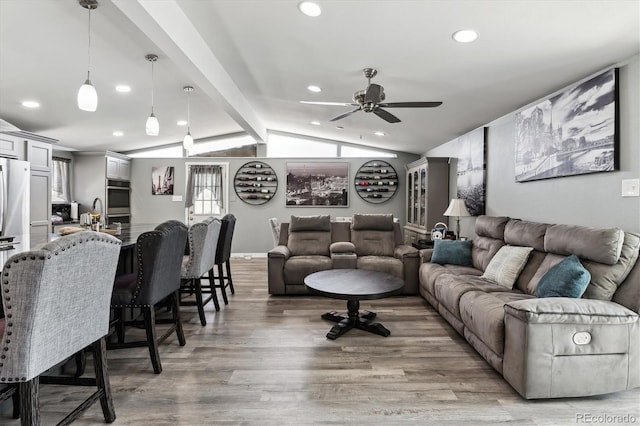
(89, 49)
(152, 87)
(189, 111)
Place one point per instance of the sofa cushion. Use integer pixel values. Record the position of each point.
(506, 265)
(490, 226)
(429, 272)
(310, 223)
(387, 264)
(373, 243)
(483, 250)
(598, 245)
(298, 267)
(527, 234)
(567, 279)
(549, 260)
(450, 288)
(453, 252)
(483, 314)
(525, 280)
(372, 222)
(309, 243)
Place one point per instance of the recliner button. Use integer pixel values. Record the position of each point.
(582, 338)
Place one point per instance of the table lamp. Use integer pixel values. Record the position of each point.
(457, 208)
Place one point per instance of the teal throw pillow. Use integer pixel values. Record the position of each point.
(452, 252)
(567, 279)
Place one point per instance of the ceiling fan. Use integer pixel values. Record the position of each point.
(371, 100)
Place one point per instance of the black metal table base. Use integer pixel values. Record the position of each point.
(353, 318)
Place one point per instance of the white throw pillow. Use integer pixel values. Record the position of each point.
(506, 265)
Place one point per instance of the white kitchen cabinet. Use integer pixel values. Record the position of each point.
(118, 168)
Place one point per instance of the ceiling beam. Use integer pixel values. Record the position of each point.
(167, 26)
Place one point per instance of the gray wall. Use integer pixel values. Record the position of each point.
(589, 200)
(252, 234)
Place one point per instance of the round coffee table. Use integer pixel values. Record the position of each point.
(353, 285)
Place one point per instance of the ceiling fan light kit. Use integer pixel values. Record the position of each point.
(87, 96)
(371, 100)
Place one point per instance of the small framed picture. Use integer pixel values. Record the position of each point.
(162, 180)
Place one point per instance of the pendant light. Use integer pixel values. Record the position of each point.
(153, 126)
(187, 142)
(87, 95)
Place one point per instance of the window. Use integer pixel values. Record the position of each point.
(206, 191)
(347, 151)
(60, 182)
(163, 152)
(291, 147)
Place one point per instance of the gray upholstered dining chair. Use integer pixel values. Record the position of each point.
(56, 303)
(157, 277)
(223, 254)
(203, 241)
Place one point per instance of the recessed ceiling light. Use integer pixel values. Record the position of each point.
(309, 8)
(315, 123)
(340, 127)
(182, 122)
(379, 133)
(31, 104)
(118, 133)
(123, 88)
(314, 89)
(465, 36)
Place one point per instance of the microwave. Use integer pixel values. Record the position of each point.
(118, 197)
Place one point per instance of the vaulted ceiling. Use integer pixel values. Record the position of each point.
(251, 62)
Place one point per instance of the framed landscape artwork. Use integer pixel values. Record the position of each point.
(572, 133)
(317, 184)
(162, 180)
(471, 170)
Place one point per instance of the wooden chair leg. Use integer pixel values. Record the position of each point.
(81, 363)
(228, 264)
(120, 314)
(198, 286)
(176, 319)
(152, 342)
(212, 285)
(102, 379)
(223, 290)
(15, 398)
(29, 402)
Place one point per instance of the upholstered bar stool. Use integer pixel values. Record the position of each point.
(159, 259)
(223, 253)
(203, 241)
(56, 302)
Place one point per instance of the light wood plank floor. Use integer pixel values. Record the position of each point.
(265, 360)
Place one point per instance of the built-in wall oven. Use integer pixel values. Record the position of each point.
(118, 207)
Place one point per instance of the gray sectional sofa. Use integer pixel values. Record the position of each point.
(554, 346)
(310, 244)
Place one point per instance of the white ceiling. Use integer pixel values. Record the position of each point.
(251, 61)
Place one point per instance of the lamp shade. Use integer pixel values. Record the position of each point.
(187, 142)
(457, 208)
(87, 97)
(153, 126)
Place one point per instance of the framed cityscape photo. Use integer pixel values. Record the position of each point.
(471, 170)
(162, 180)
(317, 184)
(572, 133)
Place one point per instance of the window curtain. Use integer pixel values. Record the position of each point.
(202, 176)
(61, 185)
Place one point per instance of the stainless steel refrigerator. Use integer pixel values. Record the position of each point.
(14, 202)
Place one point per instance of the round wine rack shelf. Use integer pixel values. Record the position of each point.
(376, 181)
(255, 183)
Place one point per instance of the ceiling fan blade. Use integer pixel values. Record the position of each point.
(386, 115)
(346, 114)
(373, 93)
(329, 103)
(411, 104)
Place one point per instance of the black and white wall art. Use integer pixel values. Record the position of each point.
(162, 180)
(471, 170)
(323, 183)
(572, 133)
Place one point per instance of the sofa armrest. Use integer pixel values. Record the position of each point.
(425, 255)
(342, 247)
(279, 251)
(561, 347)
(403, 251)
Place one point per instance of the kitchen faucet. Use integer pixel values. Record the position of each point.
(101, 207)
